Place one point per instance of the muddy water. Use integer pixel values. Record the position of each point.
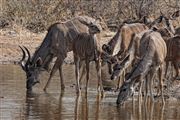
(15, 104)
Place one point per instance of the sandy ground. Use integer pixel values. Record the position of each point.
(10, 39)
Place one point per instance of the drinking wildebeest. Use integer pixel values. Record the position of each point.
(56, 43)
(86, 48)
(153, 51)
(133, 53)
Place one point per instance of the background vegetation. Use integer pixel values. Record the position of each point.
(37, 15)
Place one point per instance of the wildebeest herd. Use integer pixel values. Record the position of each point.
(134, 55)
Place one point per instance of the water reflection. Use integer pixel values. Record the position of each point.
(81, 109)
(54, 105)
(42, 106)
(98, 98)
(76, 108)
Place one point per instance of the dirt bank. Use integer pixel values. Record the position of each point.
(10, 39)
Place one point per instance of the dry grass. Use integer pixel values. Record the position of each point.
(38, 15)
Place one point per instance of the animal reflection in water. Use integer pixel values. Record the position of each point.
(49, 107)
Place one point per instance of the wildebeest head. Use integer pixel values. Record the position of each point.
(117, 71)
(108, 58)
(119, 68)
(125, 92)
(107, 48)
(31, 69)
(94, 28)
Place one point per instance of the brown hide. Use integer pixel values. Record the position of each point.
(153, 51)
(120, 42)
(173, 45)
(177, 31)
(59, 38)
(173, 54)
(57, 42)
(127, 32)
(165, 33)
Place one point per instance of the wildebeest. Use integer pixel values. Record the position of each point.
(57, 42)
(121, 40)
(133, 51)
(131, 57)
(119, 44)
(86, 48)
(153, 51)
(173, 54)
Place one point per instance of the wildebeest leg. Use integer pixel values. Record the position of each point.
(53, 71)
(87, 73)
(61, 75)
(118, 84)
(176, 66)
(98, 69)
(160, 72)
(167, 65)
(109, 68)
(83, 72)
(120, 80)
(152, 77)
(77, 62)
(146, 87)
(140, 89)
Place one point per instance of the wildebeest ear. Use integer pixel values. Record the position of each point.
(84, 22)
(154, 28)
(104, 47)
(175, 14)
(107, 48)
(39, 62)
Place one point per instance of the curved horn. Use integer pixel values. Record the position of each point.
(29, 55)
(23, 58)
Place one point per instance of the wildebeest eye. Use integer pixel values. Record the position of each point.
(124, 90)
(119, 69)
